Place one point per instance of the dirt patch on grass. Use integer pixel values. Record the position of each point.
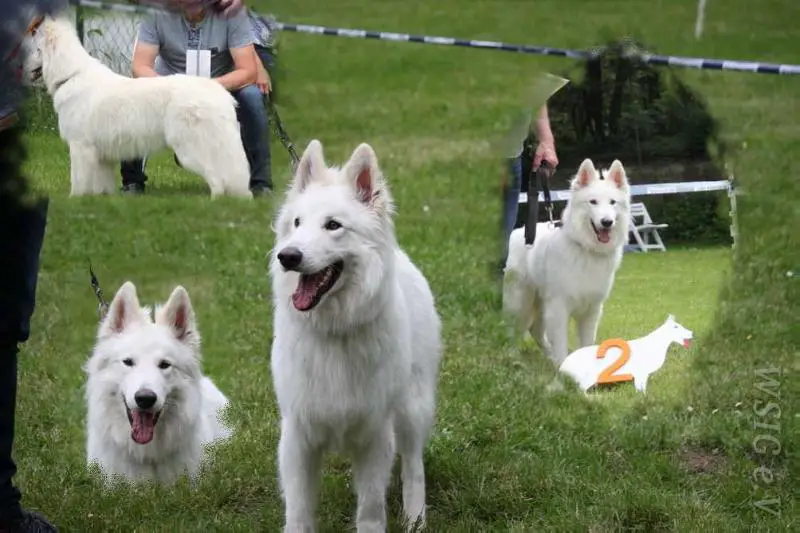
(701, 461)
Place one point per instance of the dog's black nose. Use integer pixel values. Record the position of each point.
(145, 398)
(290, 257)
(606, 222)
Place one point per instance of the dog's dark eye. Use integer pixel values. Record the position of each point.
(613, 202)
(332, 225)
(127, 361)
(163, 365)
(296, 221)
(593, 202)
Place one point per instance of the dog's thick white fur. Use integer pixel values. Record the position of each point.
(105, 117)
(151, 412)
(357, 347)
(569, 271)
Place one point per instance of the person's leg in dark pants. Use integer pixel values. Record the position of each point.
(133, 176)
(21, 239)
(254, 120)
(511, 201)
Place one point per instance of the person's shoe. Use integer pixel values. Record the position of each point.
(8, 121)
(31, 523)
(261, 189)
(133, 189)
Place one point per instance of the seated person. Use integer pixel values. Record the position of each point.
(161, 49)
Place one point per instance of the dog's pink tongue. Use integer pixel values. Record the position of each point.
(603, 235)
(143, 426)
(307, 288)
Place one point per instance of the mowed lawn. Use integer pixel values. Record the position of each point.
(507, 455)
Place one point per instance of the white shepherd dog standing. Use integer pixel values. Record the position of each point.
(106, 118)
(151, 412)
(355, 359)
(569, 271)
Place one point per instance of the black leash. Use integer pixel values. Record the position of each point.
(538, 178)
(102, 306)
(284, 137)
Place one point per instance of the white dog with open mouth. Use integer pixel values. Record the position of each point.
(355, 358)
(569, 271)
(106, 117)
(151, 412)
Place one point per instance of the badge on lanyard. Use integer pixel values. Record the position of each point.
(198, 63)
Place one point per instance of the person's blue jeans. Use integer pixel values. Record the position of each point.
(254, 121)
(511, 200)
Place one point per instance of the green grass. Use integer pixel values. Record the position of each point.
(506, 454)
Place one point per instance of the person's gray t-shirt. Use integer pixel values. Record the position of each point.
(174, 35)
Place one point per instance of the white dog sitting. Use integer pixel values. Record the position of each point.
(107, 118)
(151, 412)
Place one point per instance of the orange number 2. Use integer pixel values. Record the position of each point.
(607, 375)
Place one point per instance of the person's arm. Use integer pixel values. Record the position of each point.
(146, 49)
(244, 69)
(546, 150)
(229, 8)
(240, 44)
(263, 80)
(144, 59)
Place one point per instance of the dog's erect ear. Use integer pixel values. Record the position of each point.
(363, 172)
(123, 311)
(616, 174)
(311, 164)
(178, 315)
(586, 173)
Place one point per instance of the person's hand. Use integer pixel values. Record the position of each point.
(263, 82)
(545, 151)
(229, 8)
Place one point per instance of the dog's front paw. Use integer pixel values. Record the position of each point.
(299, 527)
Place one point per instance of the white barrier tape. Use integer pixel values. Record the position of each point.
(647, 189)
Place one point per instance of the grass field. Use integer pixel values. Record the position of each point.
(506, 454)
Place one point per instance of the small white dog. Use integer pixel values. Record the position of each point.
(569, 271)
(355, 358)
(151, 412)
(106, 118)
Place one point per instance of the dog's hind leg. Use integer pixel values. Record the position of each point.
(215, 153)
(587, 325)
(372, 469)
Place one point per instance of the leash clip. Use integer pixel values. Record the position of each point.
(102, 306)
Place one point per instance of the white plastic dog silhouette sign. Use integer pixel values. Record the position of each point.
(617, 360)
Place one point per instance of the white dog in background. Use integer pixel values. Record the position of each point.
(106, 118)
(151, 412)
(569, 271)
(357, 347)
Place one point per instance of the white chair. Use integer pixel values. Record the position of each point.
(643, 228)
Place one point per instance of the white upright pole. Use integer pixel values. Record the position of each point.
(701, 15)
